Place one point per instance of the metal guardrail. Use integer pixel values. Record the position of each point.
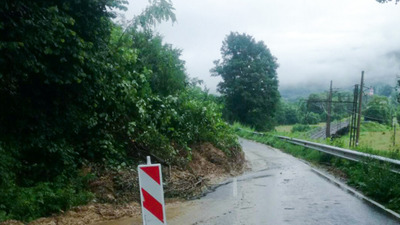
(340, 152)
(344, 153)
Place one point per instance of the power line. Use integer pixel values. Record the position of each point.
(344, 102)
(369, 117)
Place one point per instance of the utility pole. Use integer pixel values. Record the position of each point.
(353, 117)
(394, 131)
(359, 108)
(394, 136)
(328, 115)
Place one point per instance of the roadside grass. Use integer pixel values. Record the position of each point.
(284, 128)
(378, 140)
(294, 131)
(375, 139)
(377, 136)
(375, 182)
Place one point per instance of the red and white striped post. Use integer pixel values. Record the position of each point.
(152, 194)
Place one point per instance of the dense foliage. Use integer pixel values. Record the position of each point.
(300, 128)
(77, 89)
(380, 103)
(287, 113)
(378, 110)
(313, 110)
(250, 85)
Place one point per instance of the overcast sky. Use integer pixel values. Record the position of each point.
(314, 41)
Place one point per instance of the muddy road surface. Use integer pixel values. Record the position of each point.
(279, 189)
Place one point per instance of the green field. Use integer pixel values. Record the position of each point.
(284, 128)
(378, 140)
(373, 135)
(288, 128)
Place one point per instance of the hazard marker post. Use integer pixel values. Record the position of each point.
(151, 194)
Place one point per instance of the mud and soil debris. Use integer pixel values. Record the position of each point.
(88, 214)
(209, 166)
(117, 191)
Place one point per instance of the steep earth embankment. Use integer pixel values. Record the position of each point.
(117, 192)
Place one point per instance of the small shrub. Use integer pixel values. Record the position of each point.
(311, 118)
(301, 128)
(45, 198)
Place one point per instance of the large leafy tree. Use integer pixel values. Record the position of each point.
(53, 83)
(68, 88)
(55, 100)
(315, 103)
(378, 109)
(250, 84)
(168, 74)
(287, 113)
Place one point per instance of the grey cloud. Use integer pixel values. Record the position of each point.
(314, 41)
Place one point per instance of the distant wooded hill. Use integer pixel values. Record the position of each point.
(293, 93)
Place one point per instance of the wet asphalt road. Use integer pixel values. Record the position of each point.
(280, 189)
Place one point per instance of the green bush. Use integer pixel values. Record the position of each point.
(378, 110)
(185, 120)
(301, 128)
(374, 126)
(287, 113)
(380, 184)
(44, 198)
(311, 118)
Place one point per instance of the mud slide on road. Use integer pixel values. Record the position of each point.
(279, 189)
